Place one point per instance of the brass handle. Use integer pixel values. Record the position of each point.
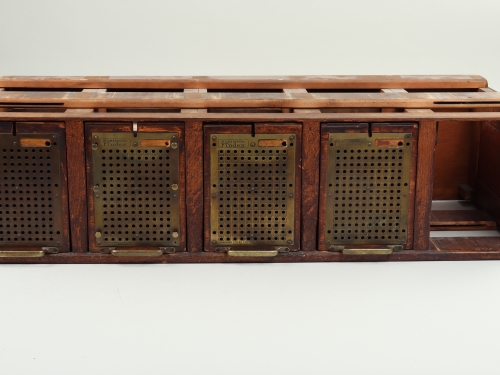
(22, 254)
(252, 253)
(28, 253)
(137, 253)
(380, 251)
(367, 251)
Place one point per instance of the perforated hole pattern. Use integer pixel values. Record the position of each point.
(253, 192)
(368, 190)
(30, 198)
(134, 202)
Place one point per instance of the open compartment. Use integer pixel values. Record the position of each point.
(466, 189)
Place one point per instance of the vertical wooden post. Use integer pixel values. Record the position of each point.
(311, 134)
(194, 177)
(77, 184)
(427, 137)
(194, 184)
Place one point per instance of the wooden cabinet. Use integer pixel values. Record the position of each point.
(248, 169)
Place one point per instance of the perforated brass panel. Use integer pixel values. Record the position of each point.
(368, 186)
(136, 188)
(252, 193)
(31, 186)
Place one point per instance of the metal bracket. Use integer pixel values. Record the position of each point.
(134, 129)
(380, 251)
(28, 253)
(137, 253)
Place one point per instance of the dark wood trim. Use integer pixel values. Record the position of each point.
(425, 174)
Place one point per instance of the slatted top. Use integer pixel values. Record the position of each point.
(249, 100)
(252, 82)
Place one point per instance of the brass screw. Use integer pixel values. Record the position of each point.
(98, 234)
(95, 136)
(175, 186)
(214, 137)
(289, 242)
(252, 144)
(135, 144)
(173, 145)
(290, 195)
(292, 137)
(175, 234)
(369, 144)
(96, 188)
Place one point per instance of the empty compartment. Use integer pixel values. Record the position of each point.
(466, 191)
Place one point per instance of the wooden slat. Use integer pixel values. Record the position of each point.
(467, 243)
(255, 82)
(423, 199)
(251, 100)
(194, 110)
(455, 117)
(486, 89)
(461, 220)
(79, 111)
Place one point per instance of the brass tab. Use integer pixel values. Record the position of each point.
(35, 142)
(252, 253)
(50, 250)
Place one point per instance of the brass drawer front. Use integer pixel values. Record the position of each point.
(31, 190)
(368, 188)
(252, 189)
(136, 188)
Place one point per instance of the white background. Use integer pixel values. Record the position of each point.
(360, 318)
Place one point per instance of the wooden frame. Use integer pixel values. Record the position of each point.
(438, 105)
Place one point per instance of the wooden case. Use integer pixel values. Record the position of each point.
(451, 167)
